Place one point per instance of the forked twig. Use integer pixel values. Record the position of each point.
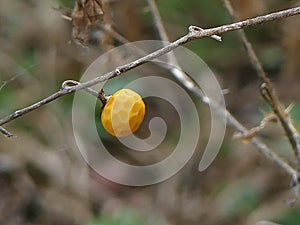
(253, 131)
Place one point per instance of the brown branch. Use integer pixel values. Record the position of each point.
(256, 142)
(268, 90)
(268, 153)
(253, 131)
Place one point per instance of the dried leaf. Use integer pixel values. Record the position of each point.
(85, 16)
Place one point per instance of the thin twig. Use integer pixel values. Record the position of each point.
(4, 83)
(268, 153)
(5, 132)
(71, 83)
(268, 90)
(253, 131)
(15, 76)
(108, 28)
(256, 142)
(158, 21)
(159, 24)
(175, 68)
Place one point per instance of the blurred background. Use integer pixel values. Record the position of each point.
(43, 177)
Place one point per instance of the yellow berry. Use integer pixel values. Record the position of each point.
(123, 113)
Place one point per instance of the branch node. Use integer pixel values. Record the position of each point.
(118, 71)
(103, 97)
(195, 30)
(246, 137)
(70, 84)
(67, 84)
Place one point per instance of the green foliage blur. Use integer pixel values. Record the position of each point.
(126, 217)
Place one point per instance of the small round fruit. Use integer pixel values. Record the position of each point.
(123, 113)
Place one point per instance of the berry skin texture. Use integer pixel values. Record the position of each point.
(123, 113)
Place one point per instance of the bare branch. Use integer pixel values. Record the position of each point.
(193, 34)
(256, 142)
(159, 24)
(5, 132)
(108, 28)
(253, 131)
(262, 147)
(268, 90)
(175, 68)
(70, 83)
(14, 77)
(246, 23)
(158, 21)
(191, 85)
(4, 83)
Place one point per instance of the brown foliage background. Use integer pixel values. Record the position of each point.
(43, 178)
